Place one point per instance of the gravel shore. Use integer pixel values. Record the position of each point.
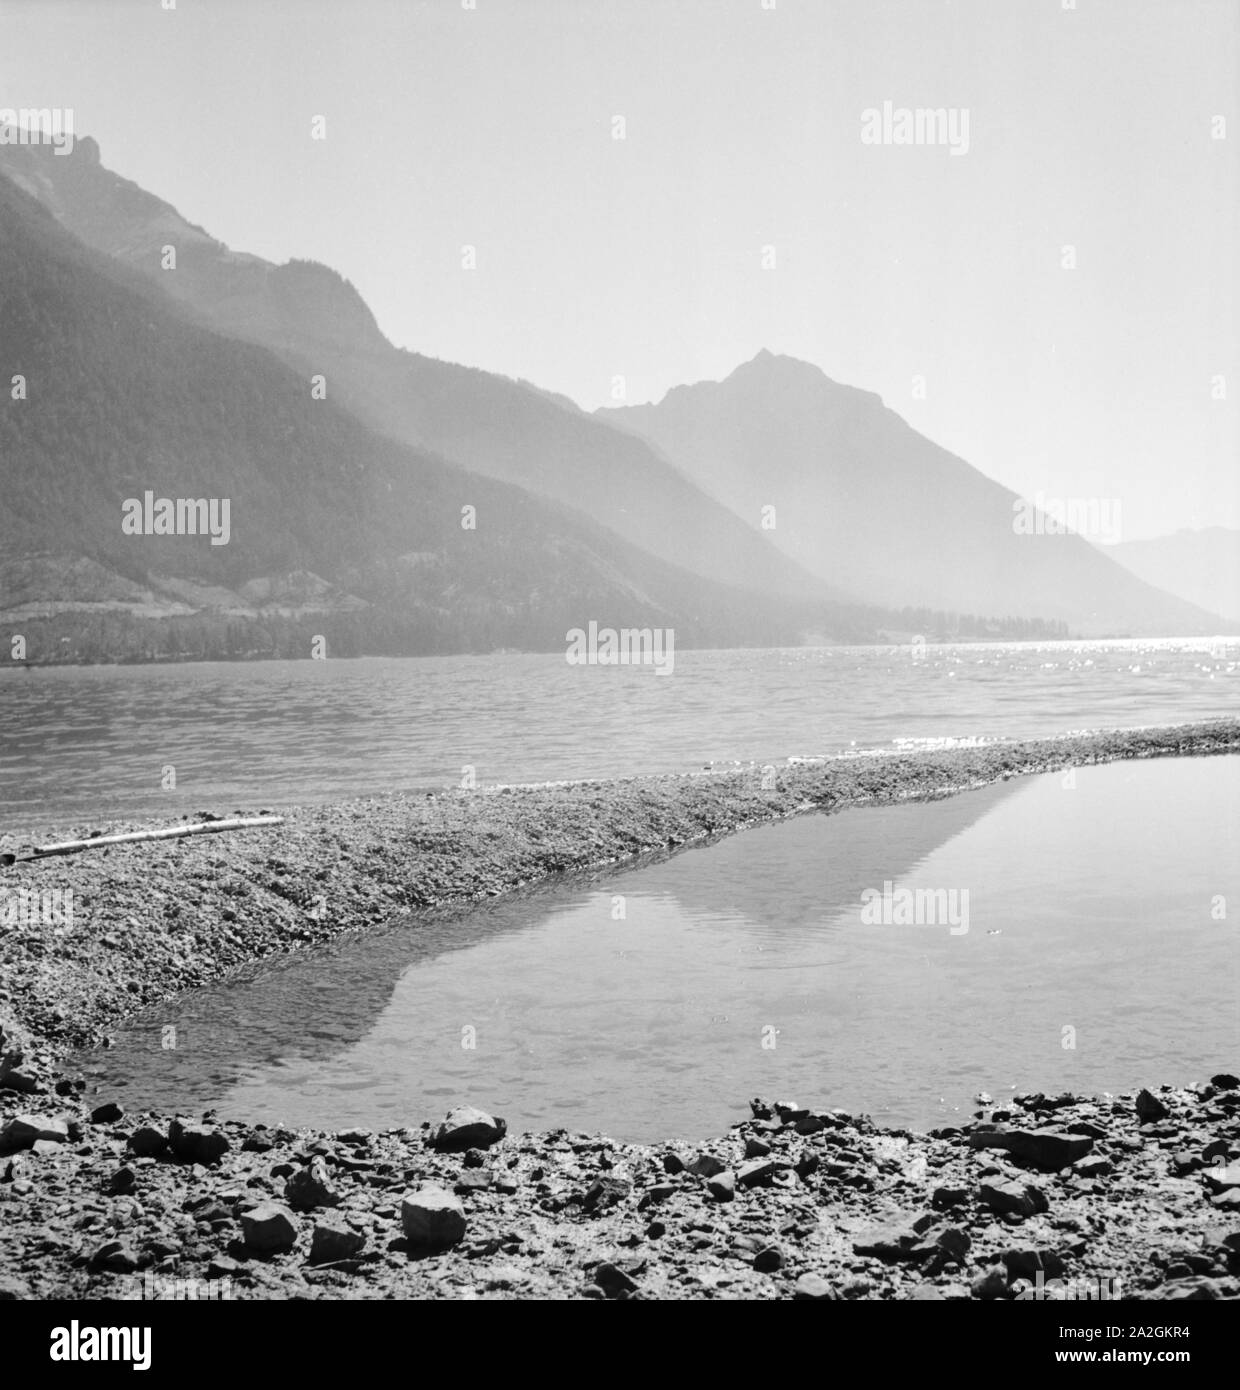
(794, 1203)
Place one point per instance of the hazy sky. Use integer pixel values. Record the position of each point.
(643, 257)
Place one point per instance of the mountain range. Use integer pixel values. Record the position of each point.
(862, 500)
(199, 380)
(1201, 566)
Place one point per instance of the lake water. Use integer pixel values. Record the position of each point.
(1089, 954)
(88, 744)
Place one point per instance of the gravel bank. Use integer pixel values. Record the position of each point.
(151, 920)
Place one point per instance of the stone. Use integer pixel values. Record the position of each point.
(310, 1188)
(147, 1142)
(722, 1186)
(1045, 1149)
(1093, 1167)
(926, 1293)
(474, 1158)
(468, 1128)
(1149, 1108)
(605, 1193)
(989, 1285)
(943, 1197)
(759, 1172)
(1024, 1199)
(22, 1132)
(196, 1143)
(115, 1257)
(613, 1280)
(894, 1246)
(329, 1243)
(1220, 1180)
(1195, 1289)
(1224, 1081)
(432, 1219)
(472, 1180)
(122, 1182)
(706, 1166)
(954, 1242)
(224, 1267)
(770, 1259)
(756, 1148)
(812, 1288)
(106, 1114)
(268, 1229)
(1025, 1264)
(1088, 1128)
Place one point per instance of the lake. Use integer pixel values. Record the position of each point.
(88, 744)
(1066, 931)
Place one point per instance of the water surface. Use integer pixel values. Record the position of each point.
(93, 743)
(652, 1003)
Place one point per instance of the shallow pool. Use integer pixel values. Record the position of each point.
(1065, 931)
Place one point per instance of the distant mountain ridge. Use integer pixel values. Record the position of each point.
(1200, 566)
(316, 321)
(868, 504)
(335, 529)
(693, 510)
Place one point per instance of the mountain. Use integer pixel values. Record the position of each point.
(332, 529)
(316, 321)
(870, 505)
(1201, 567)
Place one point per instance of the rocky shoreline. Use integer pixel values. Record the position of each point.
(793, 1203)
(1055, 1198)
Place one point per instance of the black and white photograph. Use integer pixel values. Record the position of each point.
(619, 670)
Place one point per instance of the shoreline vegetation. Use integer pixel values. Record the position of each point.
(793, 1203)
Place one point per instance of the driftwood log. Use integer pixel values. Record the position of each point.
(171, 832)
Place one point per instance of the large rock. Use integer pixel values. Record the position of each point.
(722, 1187)
(1047, 1150)
(22, 1131)
(268, 1228)
(310, 1187)
(433, 1219)
(1023, 1198)
(12, 1054)
(605, 1193)
(1149, 1108)
(706, 1166)
(330, 1243)
(759, 1172)
(468, 1128)
(147, 1142)
(196, 1143)
(813, 1288)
